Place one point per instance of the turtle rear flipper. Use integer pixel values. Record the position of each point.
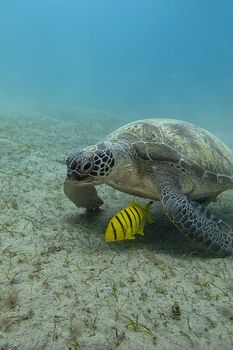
(192, 219)
(82, 196)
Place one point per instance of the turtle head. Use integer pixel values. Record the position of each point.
(91, 165)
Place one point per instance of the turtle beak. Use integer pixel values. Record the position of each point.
(75, 176)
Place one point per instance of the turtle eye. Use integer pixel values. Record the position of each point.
(86, 167)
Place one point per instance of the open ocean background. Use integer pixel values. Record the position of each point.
(131, 59)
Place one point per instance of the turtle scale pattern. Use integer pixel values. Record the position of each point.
(175, 140)
(161, 159)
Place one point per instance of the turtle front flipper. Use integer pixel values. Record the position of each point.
(191, 218)
(82, 196)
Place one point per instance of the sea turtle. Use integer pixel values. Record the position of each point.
(161, 159)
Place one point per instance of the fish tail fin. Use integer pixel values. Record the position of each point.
(148, 214)
(141, 230)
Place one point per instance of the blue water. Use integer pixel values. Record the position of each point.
(144, 57)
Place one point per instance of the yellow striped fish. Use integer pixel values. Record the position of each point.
(129, 221)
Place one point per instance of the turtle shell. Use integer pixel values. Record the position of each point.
(177, 141)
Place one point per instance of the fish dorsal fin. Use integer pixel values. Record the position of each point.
(146, 210)
(135, 204)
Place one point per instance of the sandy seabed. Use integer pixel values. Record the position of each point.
(63, 287)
